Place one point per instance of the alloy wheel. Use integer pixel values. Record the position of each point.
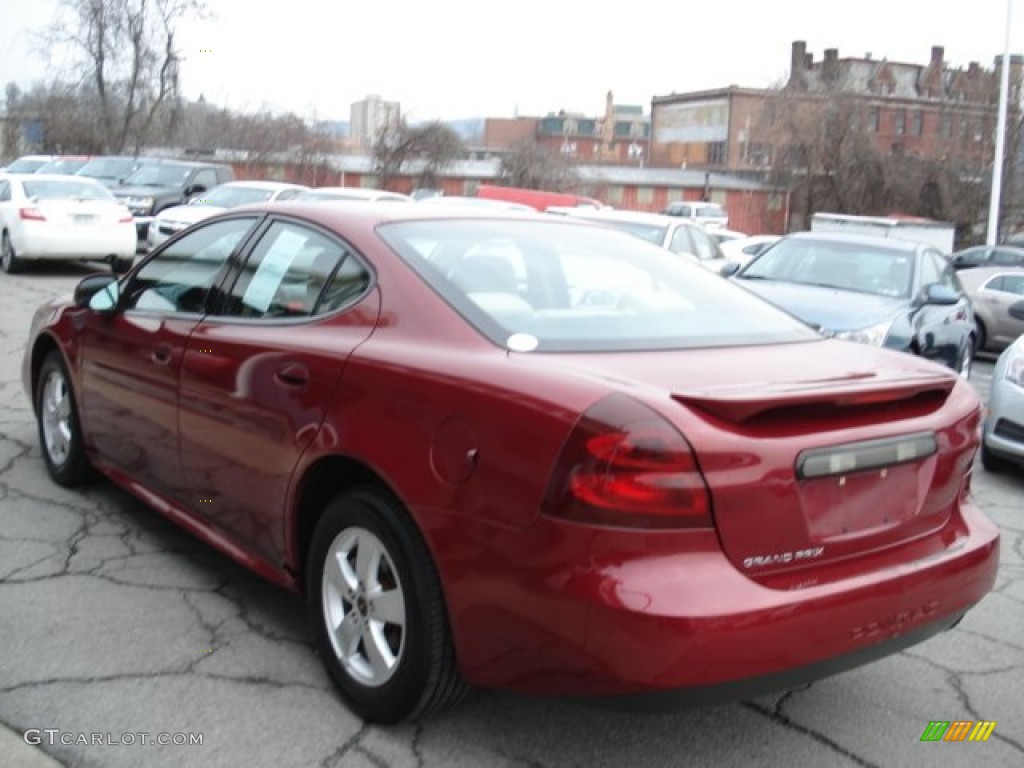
(55, 412)
(364, 606)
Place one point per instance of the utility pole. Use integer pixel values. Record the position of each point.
(997, 163)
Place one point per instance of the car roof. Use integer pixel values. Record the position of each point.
(261, 184)
(374, 212)
(874, 241)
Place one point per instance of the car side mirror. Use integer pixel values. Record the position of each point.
(100, 293)
(1017, 310)
(941, 295)
(729, 269)
(195, 189)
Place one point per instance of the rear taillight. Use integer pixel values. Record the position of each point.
(624, 465)
(126, 217)
(31, 214)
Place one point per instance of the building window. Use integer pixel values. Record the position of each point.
(901, 122)
(917, 123)
(570, 128)
(759, 154)
(673, 194)
(873, 121)
(644, 195)
(946, 125)
(965, 126)
(615, 195)
(716, 153)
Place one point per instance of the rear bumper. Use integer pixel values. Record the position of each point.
(76, 245)
(785, 680)
(669, 618)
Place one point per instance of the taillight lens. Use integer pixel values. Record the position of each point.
(625, 465)
(125, 217)
(31, 214)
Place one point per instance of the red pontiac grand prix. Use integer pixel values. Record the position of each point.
(510, 450)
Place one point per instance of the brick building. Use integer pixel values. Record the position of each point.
(929, 110)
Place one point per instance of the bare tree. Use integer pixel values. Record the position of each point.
(427, 150)
(128, 55)
(533, 166)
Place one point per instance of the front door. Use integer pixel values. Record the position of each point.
(133, 357)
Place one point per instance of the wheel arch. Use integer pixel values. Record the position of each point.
(324, 479)
(41, 349)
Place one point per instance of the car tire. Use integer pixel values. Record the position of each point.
(966, 358)
(377, 610)
(991, 462)
(982, 338)
(60, 432)
(9, 259)
(121, 266)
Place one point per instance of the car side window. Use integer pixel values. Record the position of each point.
(1007, 284)
(681, 242)
(1002, 258)
(205, 178)
(703, 244)
(289, 194)
(5, 191)
(181, 277)
(930, 271)
(294, 271)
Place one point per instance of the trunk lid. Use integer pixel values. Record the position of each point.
(813, 453)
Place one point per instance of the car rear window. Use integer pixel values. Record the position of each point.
(51, 189)
(563, 286)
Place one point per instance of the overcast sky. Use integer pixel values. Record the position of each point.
(475, 58)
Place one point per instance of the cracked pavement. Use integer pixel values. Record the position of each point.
(114, 621)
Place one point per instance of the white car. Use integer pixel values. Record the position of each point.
(56, 217)
(365, 194)
(171, 221)
(705, 214)
(681, 236)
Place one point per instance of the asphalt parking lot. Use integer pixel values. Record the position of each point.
(118, 630)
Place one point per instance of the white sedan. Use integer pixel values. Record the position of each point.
(56, 217)
(171, 221)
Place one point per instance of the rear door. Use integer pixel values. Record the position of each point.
(260, 372)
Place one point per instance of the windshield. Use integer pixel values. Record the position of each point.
(112, 168)
(162, 175)
(845, 266)
(226, 196)
(62, 165)
(58, 189)
(562, 286)
(27, 164)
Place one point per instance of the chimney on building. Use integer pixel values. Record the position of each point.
(798, 63)
(973, 69)
(830, 65)
(938, 53)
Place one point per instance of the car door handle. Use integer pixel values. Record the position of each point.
(292, 375)
(162, 354)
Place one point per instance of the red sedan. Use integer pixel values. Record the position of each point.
(505, 450)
